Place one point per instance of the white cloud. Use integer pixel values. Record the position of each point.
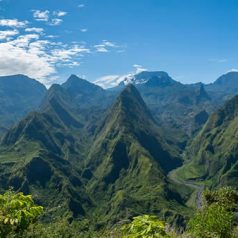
(56, 22)
(109, 43)
(16, 58)
(84, 30)
(13, 23)
(41, 15)
(59, 13)
(105, 46)
(101, 48)
(139, 68)
(34, 29)
(81, 6)
(8, 33)
(67, 54)
(110, 81)
(52, 18)
(38, 58)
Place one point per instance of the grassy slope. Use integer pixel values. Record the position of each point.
(212, 155)
(128, 178)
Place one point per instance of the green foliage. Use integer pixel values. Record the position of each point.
(61, 229)
(212, 222)
(144, 227)
(225, 197)
(17, 212)
(215, 219)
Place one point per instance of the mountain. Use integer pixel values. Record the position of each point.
(18, 96)
(173, 104)
(128, 163)
(107, 155)
(227, 82)
(84, 92)
(156, 78)
(224, 88)
(44, 152)
(212, 155)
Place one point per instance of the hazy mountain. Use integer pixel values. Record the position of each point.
(226, 83)
(18, 96)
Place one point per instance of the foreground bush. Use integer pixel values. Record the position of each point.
(144, 227)
(17, 212)
(216, 218)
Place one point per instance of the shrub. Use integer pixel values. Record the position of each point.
(17, 212)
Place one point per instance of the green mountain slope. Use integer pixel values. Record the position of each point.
(212, 155)
(80, 161)
(43, 154)
(128, 162)
(18, 96)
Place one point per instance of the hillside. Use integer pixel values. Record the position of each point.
(19, 95)
(128, 163)
(212, 155)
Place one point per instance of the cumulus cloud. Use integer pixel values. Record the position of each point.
(59, 13)
(34, 29)
(41, 15)
(13, 23)
(56, 21)
(101, 48)
(109, 43)
(38, 58)
(26, 49)
(105, 46)
(8, 34)
(52, 18)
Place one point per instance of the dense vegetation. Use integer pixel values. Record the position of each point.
(215, 219)
(99, 160)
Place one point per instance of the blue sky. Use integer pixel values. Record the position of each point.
(192, 40)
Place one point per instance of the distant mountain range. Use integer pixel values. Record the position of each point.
(109, 154)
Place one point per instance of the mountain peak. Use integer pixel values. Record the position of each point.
(131, 101)
(130, 91)
(76, 85)
(128, 111)
(20, 80)
(150, 78)
(228, 78)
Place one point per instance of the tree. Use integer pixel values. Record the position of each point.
(145, 226)
(17, 212)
